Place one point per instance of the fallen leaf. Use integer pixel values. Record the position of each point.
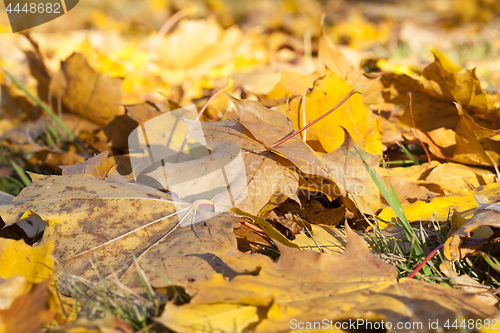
(324, 239)
(119, 129)
(276, 80)
(267, 174)
(463, 241)
(269, 127)
(352, 115)
(468, 284)
(28, 312)
(475, 144)
(114, 220)
(34, 263)
(209, 46)
(332, 57)
(408, 192)
(359, 31)
(315, 209)
(86, 92)
(266, 227)
(223, 317)
(418, 136)
(454, 177)
(5, 198)
(366, 287)
(443, 137)
(97, 166)
(433, 94)
(351, 176)
(441, 207)
(412, 173)
(15, 100)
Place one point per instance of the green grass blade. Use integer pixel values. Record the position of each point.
(58, 120)
(407, 153)
(267, 228)
(392, 199)
(20, 172)
(314, 239)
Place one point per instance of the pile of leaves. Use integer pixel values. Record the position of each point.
(177, 181)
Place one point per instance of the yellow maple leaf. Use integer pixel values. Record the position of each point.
(352, 115)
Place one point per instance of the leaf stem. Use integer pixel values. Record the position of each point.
(252, 227)
(358, 90)
(419, 267)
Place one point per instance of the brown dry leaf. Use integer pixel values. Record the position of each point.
(352, 115)
(332, 57)
(27, 132)
(439, 151)
(267, 174)
(97, 166)
(468, 284)
(412, 173)
(28, 312)
(454, 177)
(443, 137)
(366, 287)
(86, 92)
(317, 210)
(288, 224)
(407, 191)
(54, 159)
(269, 126)
(433, 93)
(118, 130)
(114, 220)
(463, 241)
(77, 124)
(391, 134)
(17, 105)
(475, 144)
(338, 63)
(249, 240)
(5, 198)
(327, 239)
(351, 176)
